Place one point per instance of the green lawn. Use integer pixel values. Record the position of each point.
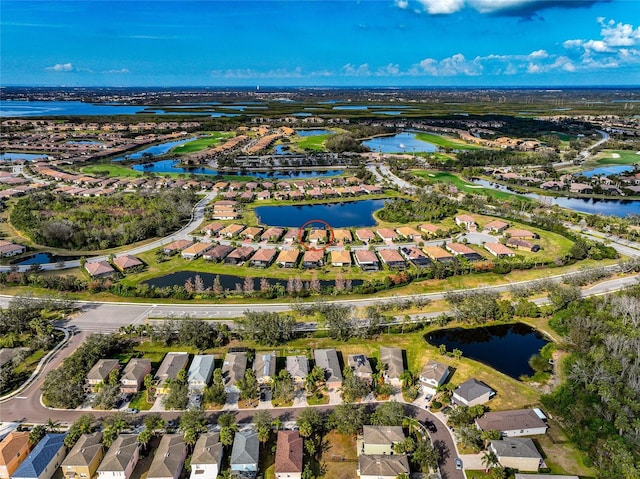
(445, 141)
(201, 143)
(450, 178)
(140, 403)
(314, 143)
(112, 171)
(617, 157)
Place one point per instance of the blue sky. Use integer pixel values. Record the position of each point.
(320, 43)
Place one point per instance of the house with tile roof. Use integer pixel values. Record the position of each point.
(99, 269)
(121, 458)
(127, 262)
(218, 252)
(367, 260)
(44, 460)
(176, 246)
(207, 456)
(263, 257)
(84, 458)
(340, 258)
(392, 258)
(14, 449)
(195, 250)
(288, 258)
(169, 459)
(288, 463)
(382, 466)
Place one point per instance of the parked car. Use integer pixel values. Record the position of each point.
(431, 427)
(458, 464)
(132, 411)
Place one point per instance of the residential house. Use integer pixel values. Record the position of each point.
(522, 234)
(14, 449)
(273, 234)
(463, 251)
(436, 253)
(409, 233)
(288, 463)
(239, 255)
(466, 221)
(263, 195)
(176, 246)
(252, 233)
(207, 456)
(472, 392)
(496, 226)
(169, 459)
(99, 269)
(245, 454)
(327, 359)
(340, 258)
(233, 368)
(523, 245)
(392, 258)
(196, 250)
(127, 262)
(360, 366)
(288, 258)
(517, 453)
(416, 257)
(200, 371)
(218, 252)
(213, 228)
(499, 250)
(225, 210)
(171, 365)
(581, 188)
(552, 185)
(121, 458)
(382, 466)
(433, 375)
(317, 236)
(387, 234)
(365, 235)
(291, 236)
(100, 372)
(521, 422)
(231, 230)
(393, 363)
(367, 260)
(380, 439)
(263, 257)
(84, 458)
(133, 375)
(7, 248)
(44, 460)
(264, 365)
(312, 259)
(342, 236)
(298, 367)
(430, 229)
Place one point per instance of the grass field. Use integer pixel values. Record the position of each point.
(624, 157)
(445, 141)
(450, 178)
(112, 170)
(315, 143)
(202, 143)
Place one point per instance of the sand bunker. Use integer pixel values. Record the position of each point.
(615, 155)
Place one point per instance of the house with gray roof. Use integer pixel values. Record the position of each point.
(264, 365)
(517, 453)
(380, 439)
(327, 359)
(393, 363)
(382, 466)
(207, 456)
(169, 459)
(434, 374)
(360, 366)
(100, 372)
(233, 368)
(245, 454)
(121, 458)
(521, 422)
(84, 458)
(44, 459)
(171, 365)
(200, 371)
(472, 392)
(298, 367)
(132, 377)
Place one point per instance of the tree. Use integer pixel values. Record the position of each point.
(347, 418)
(178, 395)
(338, 321)
(149, 386)
(154, 422)
(215, 393)
(408, 378)
(425, 456)
(469, 436)
(388, 414)
(489, 460)
(228, 428)
(262, 422)
(52, 426)
(37, 432)
(315, 379)
(82, 425)
(353, 387)
(267, 328)
(284, 387)
(144, 437)
(309, 421)
(112, 427)
(405, 447)
(248, 385)
(192, 424)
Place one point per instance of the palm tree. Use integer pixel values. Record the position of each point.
(407, 378)
(144, 437)
(489, 460)
(52, 426)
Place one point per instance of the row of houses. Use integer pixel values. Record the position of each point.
(124, 263)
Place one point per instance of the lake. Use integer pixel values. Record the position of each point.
(14, 108)
(155, 150)
(9, 156)
(401, 143)
(227, 281)
(607, 170)
(313, 132)
(43, 258)
(338, 215)
(506, 348)
(171, 166)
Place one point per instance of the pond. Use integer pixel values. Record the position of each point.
(227, 281)
(607, 170)
(313, 132)
(506, 347)
(172, 166)
(338, 215)
(10, 156)
(15, 108)
(400, 143)
(43, 258)
(155, 150)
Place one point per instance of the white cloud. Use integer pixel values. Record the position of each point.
(454, 65)
(538, 54)
(390, 70)
(359, 71)
(403, 4)
(440, 7)
(61, 67)
(116, 72)
(620, 34)
(521, 7)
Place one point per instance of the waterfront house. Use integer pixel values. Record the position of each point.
(239, 255)
(433, 375)
(499, 250)
(288, 258)
(218, 252)
(472, 392)
(196, 250)
(99, 269)
(340, 258)
(312, 259)
(392, 258)
(127, 262)
(367, 260)
(263, 257)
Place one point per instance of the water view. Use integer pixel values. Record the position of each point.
(155, 150)
(172, 166)
(227, 281)
(400, 143)
(506, 347)
(44, 258)
(607, 170)
(14, 108)
(9, 156)
(338, 215)
(313, 132)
